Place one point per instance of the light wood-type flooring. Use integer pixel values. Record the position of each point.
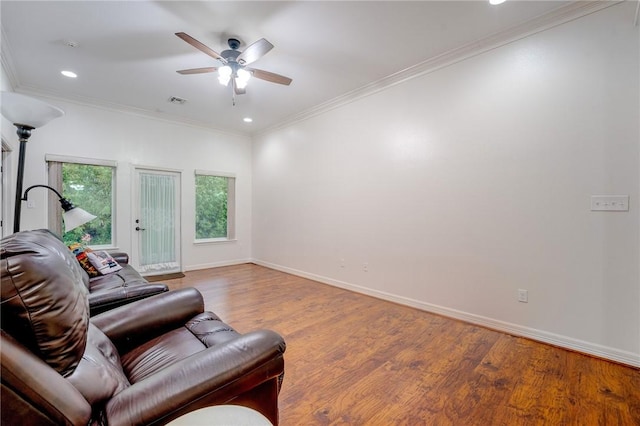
(356, 360)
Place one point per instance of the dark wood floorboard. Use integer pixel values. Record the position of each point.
(356, 360)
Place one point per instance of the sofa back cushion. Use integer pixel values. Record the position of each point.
(99, 375)
(44, 302)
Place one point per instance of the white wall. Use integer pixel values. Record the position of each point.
(8, 179)
(92, 132)
(460, 186)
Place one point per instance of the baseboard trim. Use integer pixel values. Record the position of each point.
(565, 342)
(197, 267)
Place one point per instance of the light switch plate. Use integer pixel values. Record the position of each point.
(610, 203)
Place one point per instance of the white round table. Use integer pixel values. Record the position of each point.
(222, 415)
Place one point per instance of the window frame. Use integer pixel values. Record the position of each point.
(54, 173)
(231, 207)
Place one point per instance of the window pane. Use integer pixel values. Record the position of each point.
(90, 188)
(211, 206)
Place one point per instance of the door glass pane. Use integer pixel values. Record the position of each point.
(158, 222)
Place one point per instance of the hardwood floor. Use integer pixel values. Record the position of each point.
(356, 360)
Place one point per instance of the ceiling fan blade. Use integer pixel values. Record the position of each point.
(195, 43)
(197, 70)
(254, 52)
(236, 89)
(270, 76)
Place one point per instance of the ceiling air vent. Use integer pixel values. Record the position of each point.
(177, 100)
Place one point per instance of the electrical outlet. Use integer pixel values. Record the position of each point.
(523, 296)
(342, 263)
(365, 267)
(610, 203)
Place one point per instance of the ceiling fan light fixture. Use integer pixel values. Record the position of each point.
(234, 62)
(242, 78)
(224, 75)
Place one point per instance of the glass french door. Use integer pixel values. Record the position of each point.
(156, 227)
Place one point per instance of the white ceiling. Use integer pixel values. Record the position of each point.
(127, 54)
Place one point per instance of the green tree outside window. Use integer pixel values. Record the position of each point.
(212, 196)
(90, 188)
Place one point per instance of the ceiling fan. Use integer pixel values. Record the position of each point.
(234, 63)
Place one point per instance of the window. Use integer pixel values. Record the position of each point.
(88, 184)
(215, 206)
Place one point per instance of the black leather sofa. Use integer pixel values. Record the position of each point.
(143, 363)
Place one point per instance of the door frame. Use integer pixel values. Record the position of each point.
(6, 204)
(135, 213)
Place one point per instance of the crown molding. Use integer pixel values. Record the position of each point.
(121, 109)
(554, 18)
(5, 60)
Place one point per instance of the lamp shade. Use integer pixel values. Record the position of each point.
(76, 217)
(27, 111)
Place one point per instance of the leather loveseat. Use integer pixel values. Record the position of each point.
(144, 363)
(110, 290)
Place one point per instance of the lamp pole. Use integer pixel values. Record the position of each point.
(24, 132)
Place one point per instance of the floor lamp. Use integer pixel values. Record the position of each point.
(26, 114)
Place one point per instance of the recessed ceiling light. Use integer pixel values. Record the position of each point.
(495, 2)
(69, 74)
(247, 119)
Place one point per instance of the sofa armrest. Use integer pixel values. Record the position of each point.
(49, 395)
(214, 376)
(119, 256)
(145, 319)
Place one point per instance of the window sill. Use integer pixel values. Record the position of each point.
(105, 247)
(214, 241)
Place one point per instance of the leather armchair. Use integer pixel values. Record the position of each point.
(144, 363)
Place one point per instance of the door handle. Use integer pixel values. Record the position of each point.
(139, 229)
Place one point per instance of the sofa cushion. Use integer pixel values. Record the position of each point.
(205, 330)
(124, 286)
(126, 276)
(44, 300)
(106, 282)
(164, 350)
(131, 276)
